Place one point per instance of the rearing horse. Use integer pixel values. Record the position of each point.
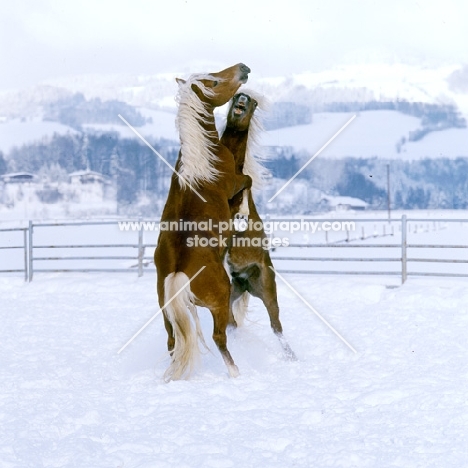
(248, 259)
(204, 181)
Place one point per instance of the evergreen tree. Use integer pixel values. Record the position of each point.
(3, 164)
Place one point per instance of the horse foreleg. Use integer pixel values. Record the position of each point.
(241, 182)
(241, 218)
(244, 207)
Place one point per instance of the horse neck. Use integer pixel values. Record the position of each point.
(236, 142)
(207, 123)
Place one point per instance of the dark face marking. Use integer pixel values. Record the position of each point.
(241, 111)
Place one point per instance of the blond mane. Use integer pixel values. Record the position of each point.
(254, 153)
(197, 150)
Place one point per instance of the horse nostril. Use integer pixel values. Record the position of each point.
(244, 68)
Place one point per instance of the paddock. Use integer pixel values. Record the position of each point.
(69, 399)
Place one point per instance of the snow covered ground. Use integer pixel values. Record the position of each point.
(371, 134)
(68, 399)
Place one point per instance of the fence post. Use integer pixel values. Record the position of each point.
(140, 250)
(25, 241)
(30, 252)
(403, 250)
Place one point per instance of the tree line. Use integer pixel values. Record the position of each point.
(136, 171)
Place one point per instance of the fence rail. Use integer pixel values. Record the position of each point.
(139, 246)
(403, 247)
(31, 248)
(24, 247)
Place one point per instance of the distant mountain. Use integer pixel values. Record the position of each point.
(350, 83)
(371, 82)
(404, 111)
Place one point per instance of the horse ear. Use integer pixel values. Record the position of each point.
(180, 81)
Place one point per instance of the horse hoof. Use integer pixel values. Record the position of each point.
(233, 371)
(232, 325)
(289, 353)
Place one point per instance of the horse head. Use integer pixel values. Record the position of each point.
(216, 89)
(243, 130)
(241, 111)
(197, 98)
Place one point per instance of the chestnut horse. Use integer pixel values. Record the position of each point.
(189, 264)
(248, 259)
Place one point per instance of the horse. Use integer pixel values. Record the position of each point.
(248, 259)
(189, 265)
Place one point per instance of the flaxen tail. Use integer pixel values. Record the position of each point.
(186, 353)
(239, 308)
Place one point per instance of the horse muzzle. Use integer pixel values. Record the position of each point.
(244, 73)
(240, 104)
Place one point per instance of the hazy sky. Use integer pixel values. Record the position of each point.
(41, 39)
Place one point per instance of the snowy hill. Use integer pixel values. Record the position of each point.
(349, 83)
(376, 133)
(371, 134)
(381, 133)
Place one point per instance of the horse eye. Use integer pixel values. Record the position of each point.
(215, 83)
(255, 103)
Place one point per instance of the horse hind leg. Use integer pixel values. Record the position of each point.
(264, 287)
(185, 352)
(220, 322)
(216, 299)
(170, 334)
(288, 352)
(167, 322)
(271, 305)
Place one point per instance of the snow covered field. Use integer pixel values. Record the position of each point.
(68, 399)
